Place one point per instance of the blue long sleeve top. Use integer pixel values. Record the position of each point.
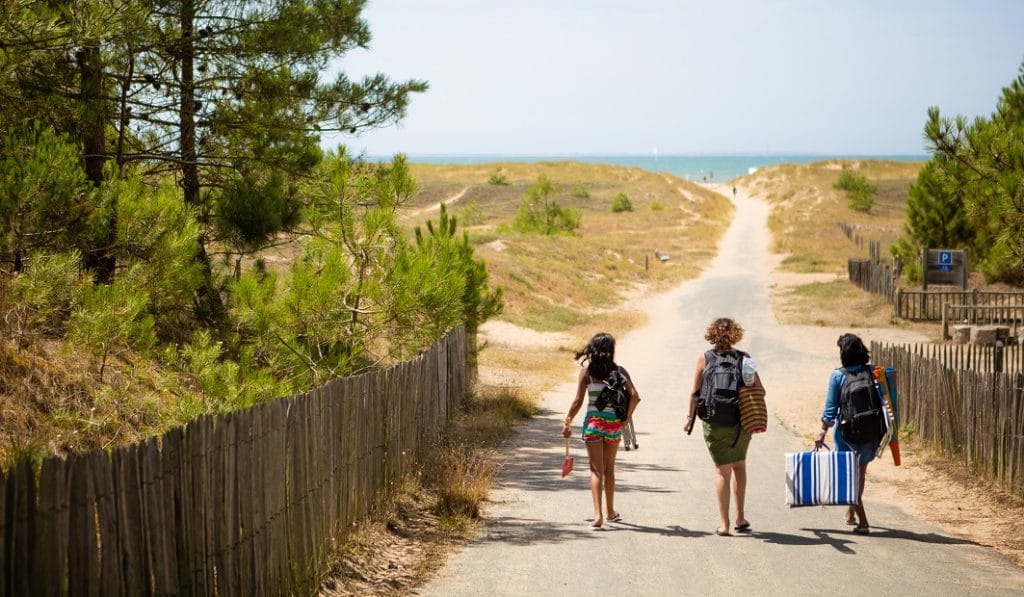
(830, 416)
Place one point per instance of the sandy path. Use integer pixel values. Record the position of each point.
(536, 539)
(437, 206)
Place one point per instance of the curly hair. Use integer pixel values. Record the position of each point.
(598, 355)
(852, 350)
(724, 333)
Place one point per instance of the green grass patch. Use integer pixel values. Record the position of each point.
(553, 318)
(806, 264)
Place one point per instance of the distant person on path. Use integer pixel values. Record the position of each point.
(602, 429)
(734, 192)
(855, 358)
(716, 384)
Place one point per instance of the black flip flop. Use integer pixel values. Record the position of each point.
(742, 528)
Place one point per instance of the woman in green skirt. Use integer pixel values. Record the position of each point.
(715, 391)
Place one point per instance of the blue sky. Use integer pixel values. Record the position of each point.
(550, 77)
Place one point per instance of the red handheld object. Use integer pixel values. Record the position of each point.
(567, 463)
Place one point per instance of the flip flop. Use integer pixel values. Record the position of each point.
(862, 530)
(615, 517)
(742, 528)
(723, 533)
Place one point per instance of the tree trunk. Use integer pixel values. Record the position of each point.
(210, 307)
(100, 260)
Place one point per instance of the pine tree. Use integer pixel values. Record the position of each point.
(225, 94)
(936, 215)
(984, 162)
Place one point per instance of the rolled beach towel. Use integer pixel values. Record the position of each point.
(753, 411)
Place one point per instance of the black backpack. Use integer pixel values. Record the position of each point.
(718, 397)
(861, 418)
(615, 394)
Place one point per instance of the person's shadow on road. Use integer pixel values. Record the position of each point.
(838, 540)
(670, 531)
(821, 537)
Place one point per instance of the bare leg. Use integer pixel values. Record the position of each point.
(722, 481)
(595, 450)
(739, 490)
(860, 498)
(610, 449)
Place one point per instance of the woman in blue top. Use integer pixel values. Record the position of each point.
(854, 356)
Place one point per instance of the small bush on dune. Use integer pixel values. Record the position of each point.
(498, 179)
(579, 190)
(621, 203)
(472, 214)
(860, 193)
(540, 213)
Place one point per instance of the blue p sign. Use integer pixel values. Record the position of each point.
(945, 257)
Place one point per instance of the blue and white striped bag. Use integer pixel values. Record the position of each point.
(822, 478)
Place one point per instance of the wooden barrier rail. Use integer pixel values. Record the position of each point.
(1010, 316)
(245, 503)
(974, 417)
(927, 305)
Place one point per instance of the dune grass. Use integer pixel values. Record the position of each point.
(553, 282)
(806, 210)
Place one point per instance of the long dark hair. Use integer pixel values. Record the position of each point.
(852, 350)
(599, 356)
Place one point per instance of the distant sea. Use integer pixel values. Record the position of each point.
(712, 168)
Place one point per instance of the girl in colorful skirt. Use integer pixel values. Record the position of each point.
(602, 429)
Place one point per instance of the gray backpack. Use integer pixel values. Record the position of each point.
(860, 408)
(718, 397)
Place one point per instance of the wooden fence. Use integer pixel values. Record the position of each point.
(972, 416)
(1010, 317)
(928, 305)
(874, 277)
(246, 503)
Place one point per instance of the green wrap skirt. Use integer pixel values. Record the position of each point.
(720, 443)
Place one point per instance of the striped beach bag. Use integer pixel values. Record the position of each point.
(753, 410)
(822, 478)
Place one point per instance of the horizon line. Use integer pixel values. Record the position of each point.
(654, 155)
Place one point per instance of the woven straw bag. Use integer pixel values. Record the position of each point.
(753, 411)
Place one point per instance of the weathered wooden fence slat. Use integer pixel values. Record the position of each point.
(976, 417)
(247, 502)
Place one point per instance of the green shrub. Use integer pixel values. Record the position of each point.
(579, 191)
(158, 233)
(38, 300)
(45, 200)
(860, 193)
(621, 203)
(472, 214)
(540, 213)
(657, 206)
(112, 320)
(498, 179)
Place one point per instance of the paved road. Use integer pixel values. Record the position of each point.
(537, 542)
